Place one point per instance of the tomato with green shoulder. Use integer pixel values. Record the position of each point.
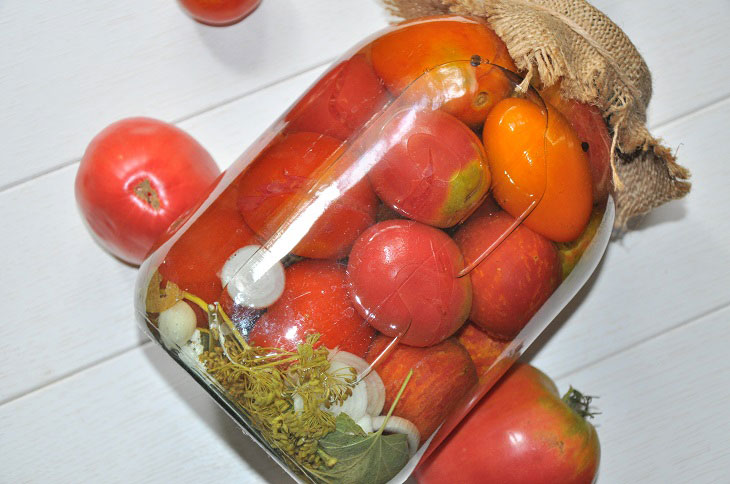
(520, 432)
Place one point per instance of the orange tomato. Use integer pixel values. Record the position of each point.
(442, 46)
(587, 122)
(536, 156)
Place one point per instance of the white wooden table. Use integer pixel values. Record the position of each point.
(84, 397)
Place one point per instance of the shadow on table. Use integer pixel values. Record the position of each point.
(207, 410)
(243, 46)
(671, 212)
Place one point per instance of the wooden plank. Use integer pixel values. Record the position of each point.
(232, 128)
(670, 270)
(73, 293)
(69, 304)
(81, 63)
(681, 43)
(69, 70)
(612, 315)
(135, 418)
(663, 406)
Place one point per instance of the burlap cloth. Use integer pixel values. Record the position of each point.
(573, 41)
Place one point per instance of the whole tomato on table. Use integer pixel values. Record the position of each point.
(519, 433)
(219, 12)
(136, 177)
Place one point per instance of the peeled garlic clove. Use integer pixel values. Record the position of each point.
(376, 389)
(176, 324)
(298, 403)
(399, 425)
(252, 278)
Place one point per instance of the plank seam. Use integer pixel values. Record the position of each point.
(642, 341)
(75, 372)
(187, 117)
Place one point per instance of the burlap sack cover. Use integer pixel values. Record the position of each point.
(573, 41)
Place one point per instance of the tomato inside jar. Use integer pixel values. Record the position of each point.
(364, 275)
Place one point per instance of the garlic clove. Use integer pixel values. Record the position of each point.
(298, 403)
(252, 278)
(176, 324)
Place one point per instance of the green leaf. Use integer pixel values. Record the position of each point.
(362, 458)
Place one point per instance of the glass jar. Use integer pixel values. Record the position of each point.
(366, 271)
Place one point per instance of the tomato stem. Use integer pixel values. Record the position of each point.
(145, 192)
(580, 403)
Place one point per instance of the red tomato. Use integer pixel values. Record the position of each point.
(314, 300)
(341, 102)
(403, 281)
(219, 12)
(588, 124)
(443, 46)
(280, 177)
(442, 375)
(136, 177)
(436, 170)
(521, 432)
(195, 260)
(511, 284)
(482, 348)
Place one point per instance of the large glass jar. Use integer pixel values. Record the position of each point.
(366, 271)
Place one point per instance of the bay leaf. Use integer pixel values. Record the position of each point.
(372, 458)
(160, 298)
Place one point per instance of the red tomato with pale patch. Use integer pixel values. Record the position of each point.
(315, 300)
(219, 12)
(341, 102)
(195, 260)
(136, 177)
(279, 179)
(520, 432)
(436, 170)
(403, 279)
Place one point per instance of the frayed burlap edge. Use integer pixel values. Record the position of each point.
(572, 41)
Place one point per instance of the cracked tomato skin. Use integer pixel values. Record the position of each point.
(443, 46)
(315, 300)
(435, 172)
(520, 432)
(281, 176)
(341, 102)
(403, 280)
